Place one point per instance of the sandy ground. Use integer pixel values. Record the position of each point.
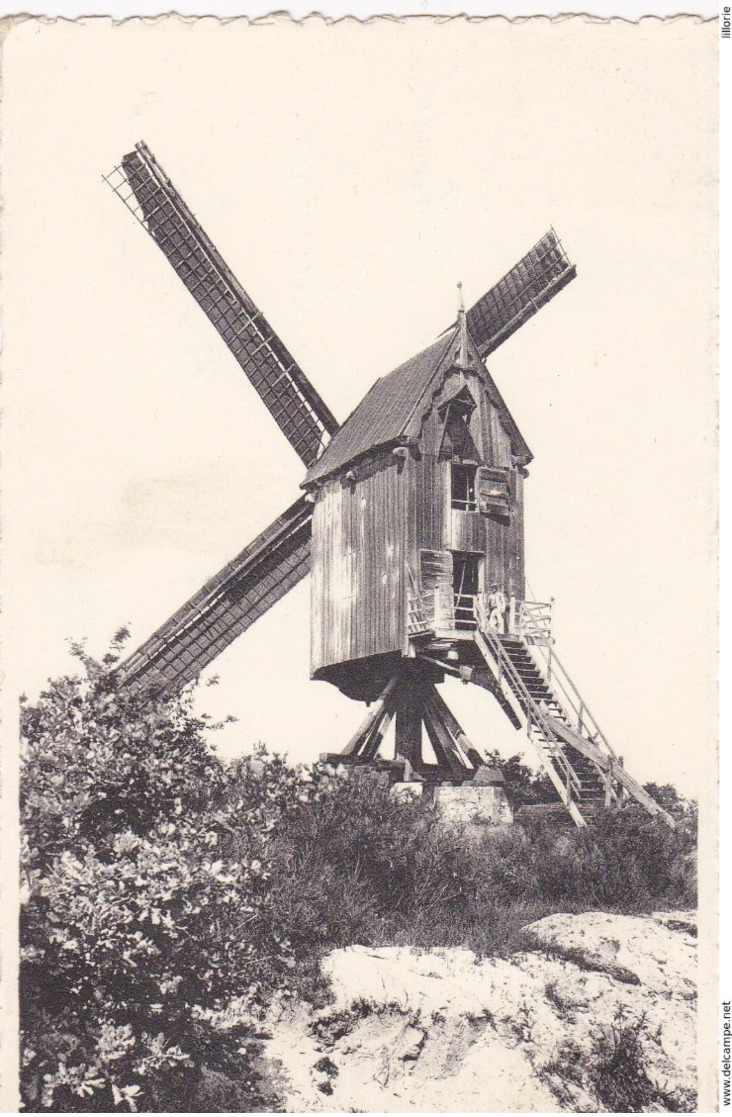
(440, 1031)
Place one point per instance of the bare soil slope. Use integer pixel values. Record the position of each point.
(598, 1013)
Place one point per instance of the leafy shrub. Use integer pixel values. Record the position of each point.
(353, 864)
(524, 787)
(139, 928)
(167, 895)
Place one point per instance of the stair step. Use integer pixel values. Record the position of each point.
(536, 695)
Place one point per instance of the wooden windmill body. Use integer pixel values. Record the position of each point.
(412, 514)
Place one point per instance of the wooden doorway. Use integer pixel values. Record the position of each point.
(467, 569)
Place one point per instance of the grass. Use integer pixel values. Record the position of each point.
(614, 1073)
(355, 866)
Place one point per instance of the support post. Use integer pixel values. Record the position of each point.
(435, 721)
(378, 732)
(444, 761)
(452, 723)
(608, 781)
(408, 744)
(375, 714)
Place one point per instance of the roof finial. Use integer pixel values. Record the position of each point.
(463, 361)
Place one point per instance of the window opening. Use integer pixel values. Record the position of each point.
(457, 435)
(456, 441)
(462, 494)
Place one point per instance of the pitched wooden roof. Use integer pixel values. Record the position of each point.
(391, 410)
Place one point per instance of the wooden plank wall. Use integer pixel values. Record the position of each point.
(358, 571)
(431, 498)
(467, 531)
(363, 531)
(518, 575)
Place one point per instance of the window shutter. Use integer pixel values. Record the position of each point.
(493, 492)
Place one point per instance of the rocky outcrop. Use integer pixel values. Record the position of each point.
(597, 1013)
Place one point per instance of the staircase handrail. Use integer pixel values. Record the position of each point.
(535, 619)
(557, 766)
(532, 710)
(556, 731)
(557, 675)
(615, 770)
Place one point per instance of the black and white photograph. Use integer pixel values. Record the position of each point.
(359, 517)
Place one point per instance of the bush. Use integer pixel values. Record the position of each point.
(354, 865)
(167, 896)
(139, 924)
(524, 787)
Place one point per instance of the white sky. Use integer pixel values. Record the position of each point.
(350, 176)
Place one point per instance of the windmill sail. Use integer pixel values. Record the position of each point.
(295, 405)
(226, 606)
(528, 286)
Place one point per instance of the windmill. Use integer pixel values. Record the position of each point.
(411, 524)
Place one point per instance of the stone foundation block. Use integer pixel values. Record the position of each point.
(470, 803)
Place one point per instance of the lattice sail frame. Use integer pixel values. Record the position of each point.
(299, 411)
(226, 606)
(529, 285)
(280, 556)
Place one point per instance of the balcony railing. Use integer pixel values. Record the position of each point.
(533, 621)
(441, 609)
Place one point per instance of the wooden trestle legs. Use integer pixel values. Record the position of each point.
(408, 731)
(415, 701)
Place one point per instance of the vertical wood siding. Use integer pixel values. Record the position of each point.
(358, 590)
(467, 531)
(366, 531)
(429, 489)
(518, 539)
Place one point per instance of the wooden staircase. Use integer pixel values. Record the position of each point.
(590, 790)
(573, 750)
